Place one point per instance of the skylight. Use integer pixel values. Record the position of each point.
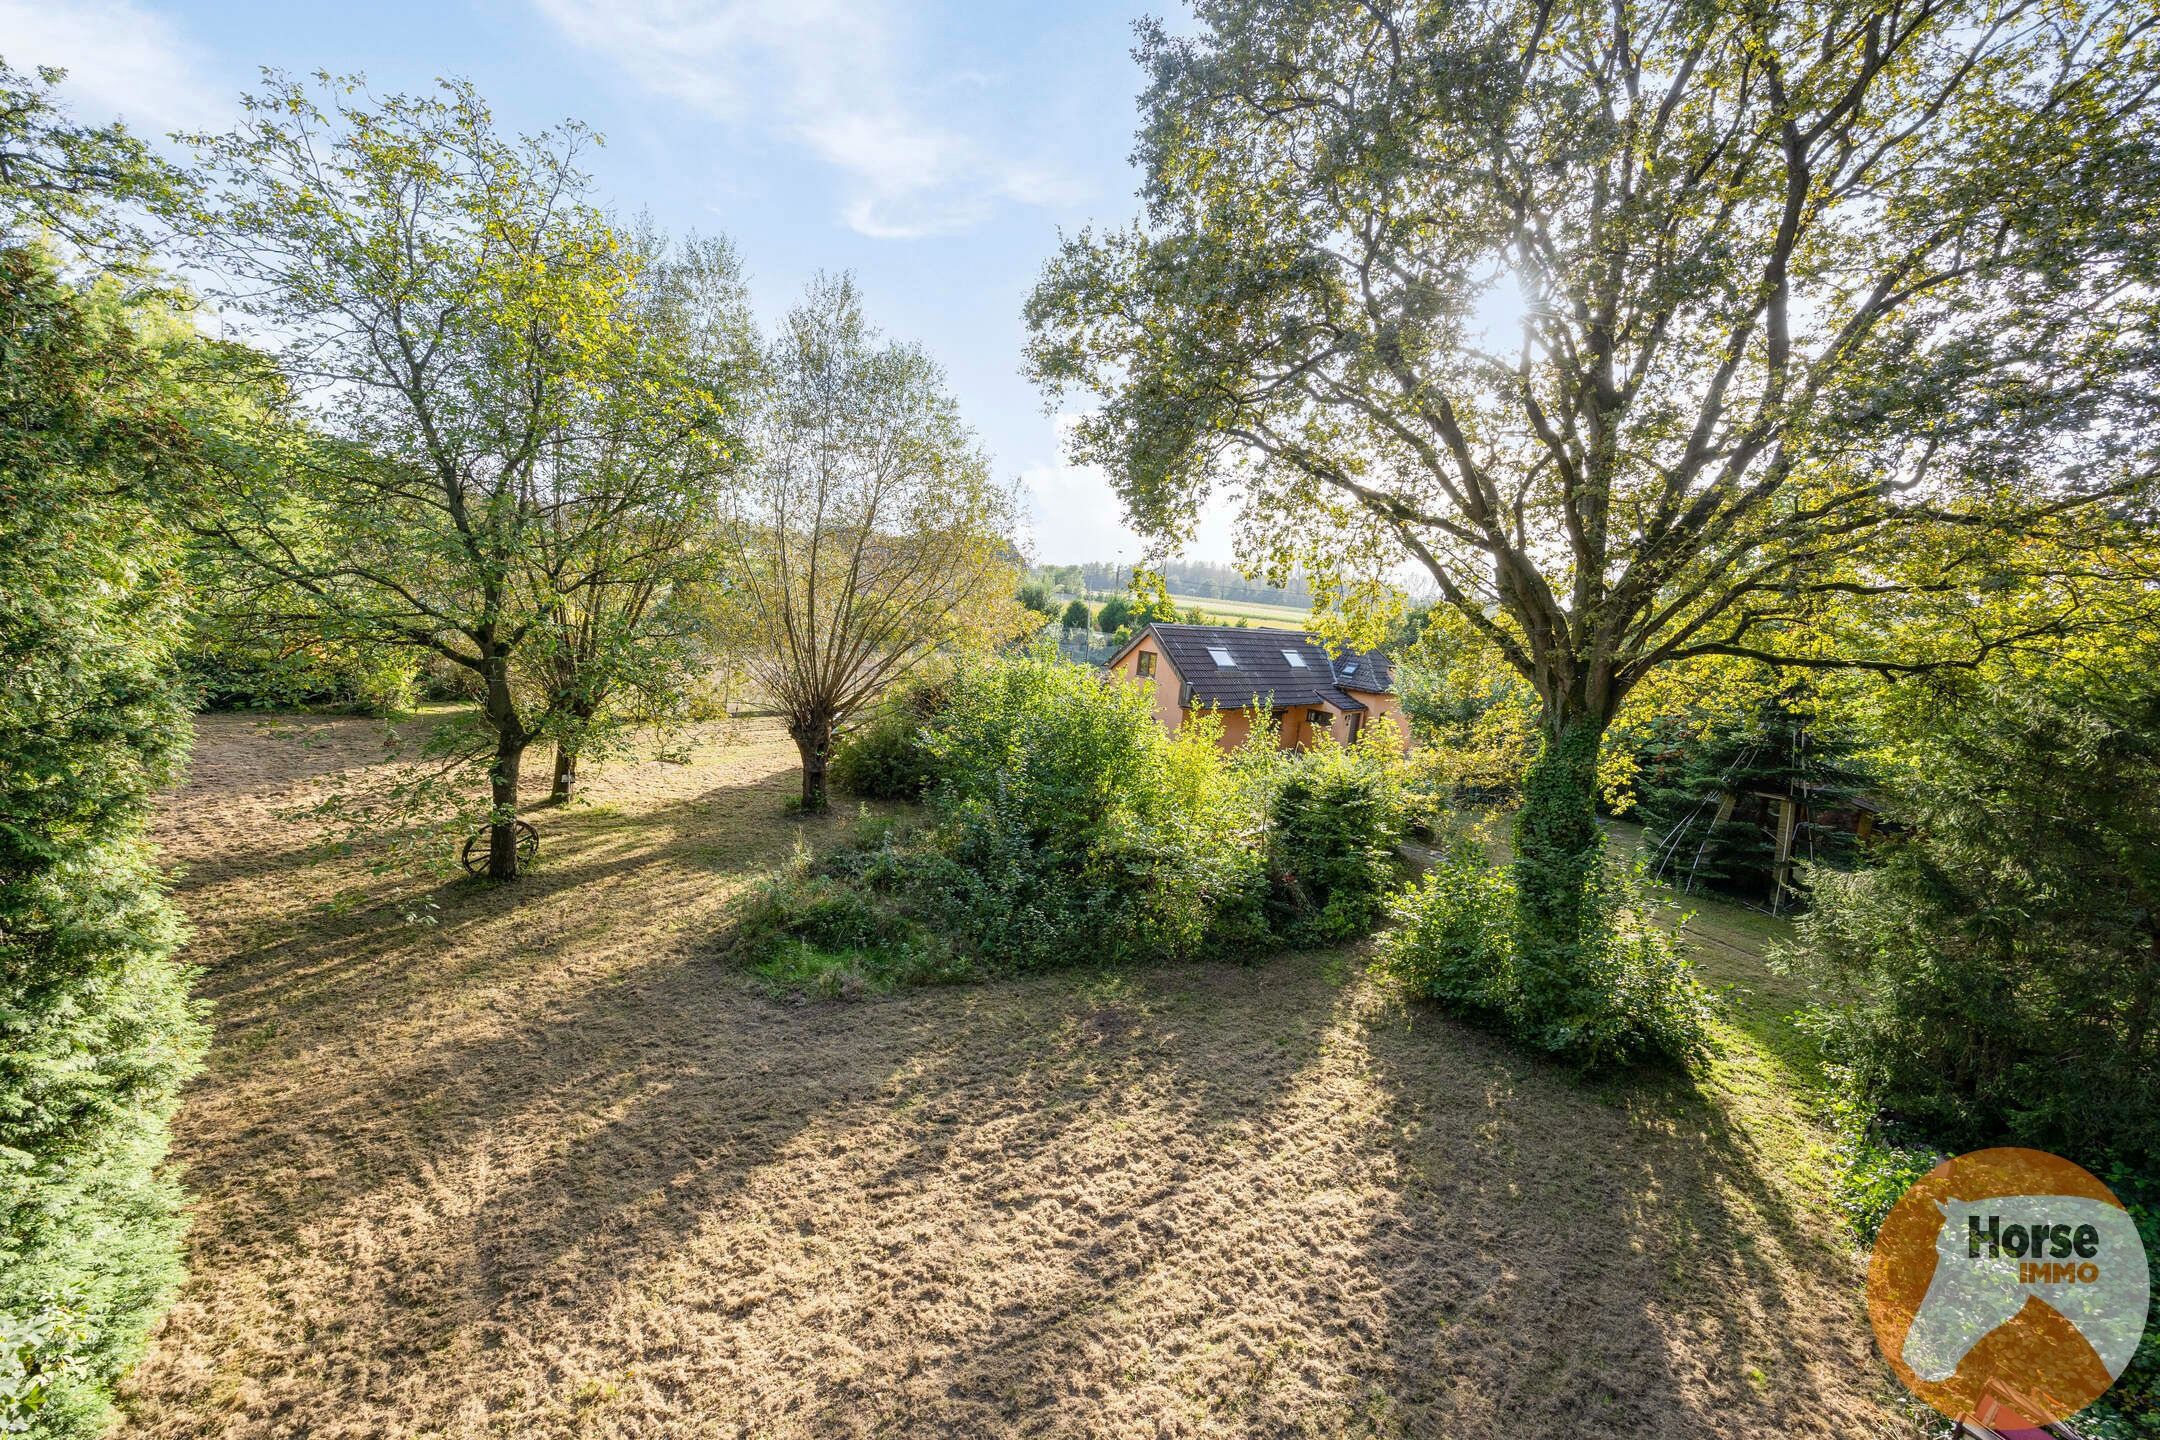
(1294, 658)
(1350, 669)
(1223, 657)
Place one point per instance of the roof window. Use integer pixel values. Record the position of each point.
(1350, 669)
(1295, 659)
(1223, 657)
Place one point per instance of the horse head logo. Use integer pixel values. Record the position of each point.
(2079, 1256)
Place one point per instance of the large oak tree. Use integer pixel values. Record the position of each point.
(1649, 331)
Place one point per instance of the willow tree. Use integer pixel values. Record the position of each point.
(1649, 331)
(475, 394)
(868, 536)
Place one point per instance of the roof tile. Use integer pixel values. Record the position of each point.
(1262, 669)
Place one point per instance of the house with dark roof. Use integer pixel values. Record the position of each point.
(1308, 689)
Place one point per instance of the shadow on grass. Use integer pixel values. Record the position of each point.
(545, 1139)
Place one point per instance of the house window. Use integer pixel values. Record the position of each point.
(1223, 657)
(1296, 660)
(1144, 664)
(1320, 720)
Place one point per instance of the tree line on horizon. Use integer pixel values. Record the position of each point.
(1199, 579)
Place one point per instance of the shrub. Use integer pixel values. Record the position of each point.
(1335, 818)
(1072, 828)
(1454, 943)
(885, 758)
(229, 673)
(96, 1028)
(1450, 937)
(2132, 1407)
(1994, 979)
(821, 933)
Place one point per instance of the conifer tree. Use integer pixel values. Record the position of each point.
(1709, 806)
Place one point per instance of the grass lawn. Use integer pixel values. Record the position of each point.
(548, 1167)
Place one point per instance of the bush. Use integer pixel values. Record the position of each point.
(1068, 828)
(96, 1028)
(886, 758)
(1995, 979)
(1335, 818)
(1454, 943)
(1450, 941)
(823, 934)
(229, 674)
(1072, 828)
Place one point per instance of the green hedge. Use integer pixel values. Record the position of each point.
(96, 1030)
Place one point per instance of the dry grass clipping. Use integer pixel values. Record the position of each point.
(547, 1168)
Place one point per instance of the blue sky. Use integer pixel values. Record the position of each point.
(933, 148)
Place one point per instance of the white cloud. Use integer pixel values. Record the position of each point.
(121, 59)
(1076, 516)
(829, 75)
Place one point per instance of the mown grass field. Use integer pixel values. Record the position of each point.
(1229, 612)
(538, 1161)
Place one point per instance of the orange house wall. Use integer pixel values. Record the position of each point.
(1387, 709)
(1165, 680)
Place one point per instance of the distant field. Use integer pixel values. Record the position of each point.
(1284, 617)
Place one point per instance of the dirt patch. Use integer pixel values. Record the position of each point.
(546, 1167)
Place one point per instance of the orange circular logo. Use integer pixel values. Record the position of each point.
(2008, 1288)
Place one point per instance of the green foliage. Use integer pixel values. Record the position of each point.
(1753, 384)
(59, 180)
(1072, 828)
(233, 672)
(1725, 398)
(1992, 979)
(499, 425)
(96, 1029)
(1559, 922)
(886, 758)
(2131, 1409)
(1069, 828)
(869, 538)
(1151, 602)
(1451, 939)
(1784, 747)
(1036, 596)
(1336, 816)
(1475, 716)
(1996, 978)
(1872, 1168)
(1457, 940)
(1078, 616)
(824, 935)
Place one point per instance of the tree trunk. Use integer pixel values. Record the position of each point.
(813, 739)
(565, 773)
(503, 775)
(502, 791)
(580, 714)
(1558, 849)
